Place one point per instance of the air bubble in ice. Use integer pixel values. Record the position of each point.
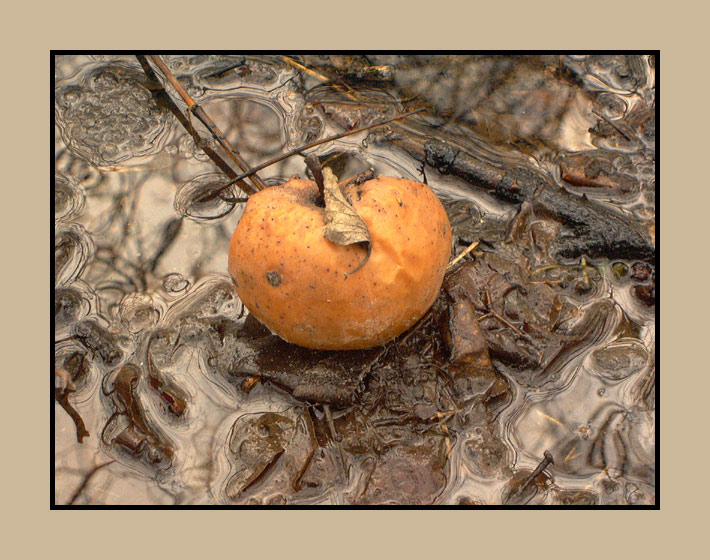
(107, 116)
(175, 282)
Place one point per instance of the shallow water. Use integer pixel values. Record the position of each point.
(141, 259)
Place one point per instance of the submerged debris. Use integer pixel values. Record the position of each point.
(63, 386)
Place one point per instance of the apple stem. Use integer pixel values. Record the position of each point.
(316, 169)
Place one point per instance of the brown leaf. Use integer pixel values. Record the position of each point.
(343, 225)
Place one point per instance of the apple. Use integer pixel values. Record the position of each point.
(309, 290)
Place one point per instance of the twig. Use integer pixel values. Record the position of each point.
(301, 149)
(86, 480)
(331, 425)
(204, 118)
(503, 320)
(470, 248)
(259, 474)
(537, 472)
(158, 91)
(347, 90)
(612, 124)
(571, 454)
(308, 421)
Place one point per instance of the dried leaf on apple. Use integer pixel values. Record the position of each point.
(343, 225)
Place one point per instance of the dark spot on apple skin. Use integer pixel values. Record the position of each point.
(274, 278)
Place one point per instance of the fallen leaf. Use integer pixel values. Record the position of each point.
(343, 225)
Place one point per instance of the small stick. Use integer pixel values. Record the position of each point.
(503, 320)
(331, 425)
(318, 143)
(296, 482)
(571, 455)
(320, 77)
(259, 473)
(471, 247)
(308, 421)
(611, 124)
(222, 73)
(538, 471)
(156, 88)
(196, 110)
(86, 480)
(551, 419)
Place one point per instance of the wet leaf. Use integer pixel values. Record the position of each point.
(405, 474)
(63, 386)
(343, 225)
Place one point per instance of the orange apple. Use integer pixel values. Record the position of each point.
(302, 286)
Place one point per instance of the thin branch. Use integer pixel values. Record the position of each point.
(301, 149)
(612, 124)
(503, 320)
(204, 118)
(86, 480)
(548, 459)
(161, 96)
(347, 90)
(471, 247)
